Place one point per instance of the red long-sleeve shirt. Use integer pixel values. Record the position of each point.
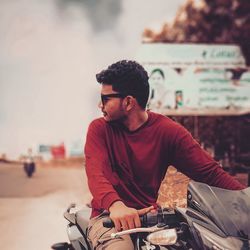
(129, 166)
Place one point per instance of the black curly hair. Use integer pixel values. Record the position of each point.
(128, 78)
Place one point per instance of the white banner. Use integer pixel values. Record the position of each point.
(198, 89)
(185, 55)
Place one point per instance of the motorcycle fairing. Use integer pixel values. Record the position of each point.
(229, 210)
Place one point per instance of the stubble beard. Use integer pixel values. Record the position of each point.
(116, 119)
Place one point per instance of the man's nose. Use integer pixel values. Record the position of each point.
(100, 105)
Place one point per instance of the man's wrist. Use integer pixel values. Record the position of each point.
(109, 199)
(116, 205)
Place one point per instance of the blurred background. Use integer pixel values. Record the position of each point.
(50, 52)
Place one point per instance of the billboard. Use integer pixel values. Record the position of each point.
(196, 79)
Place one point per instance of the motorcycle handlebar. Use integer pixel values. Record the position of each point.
(162, 216)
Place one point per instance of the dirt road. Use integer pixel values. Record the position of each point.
(31, 209)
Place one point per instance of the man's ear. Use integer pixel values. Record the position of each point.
(129, 102)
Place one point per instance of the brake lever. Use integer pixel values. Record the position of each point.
(155, 228)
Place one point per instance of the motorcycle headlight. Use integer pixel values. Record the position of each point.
(163, 237)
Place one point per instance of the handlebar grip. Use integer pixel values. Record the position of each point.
(166, 216)
(108, 223)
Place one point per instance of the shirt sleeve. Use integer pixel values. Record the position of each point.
(97, 163)
(198, 165)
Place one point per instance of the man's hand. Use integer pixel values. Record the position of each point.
(125, 217)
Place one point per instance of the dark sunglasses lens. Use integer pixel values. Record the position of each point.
(104, 99)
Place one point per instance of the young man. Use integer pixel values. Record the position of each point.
(128, 151)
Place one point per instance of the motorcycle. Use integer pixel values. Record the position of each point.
(214, 218)
(29, 168)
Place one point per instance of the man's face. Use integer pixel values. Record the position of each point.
(111, 104)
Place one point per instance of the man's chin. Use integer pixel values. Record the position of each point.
(112, 120)
(107, 118)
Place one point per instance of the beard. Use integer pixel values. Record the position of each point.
(115, 119)
(118, 117)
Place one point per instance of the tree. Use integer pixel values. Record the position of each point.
(208, 21)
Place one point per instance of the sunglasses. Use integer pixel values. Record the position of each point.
(105, 98)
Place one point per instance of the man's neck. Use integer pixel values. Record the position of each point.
(136, 120)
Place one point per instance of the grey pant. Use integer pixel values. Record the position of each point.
(98, 235)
